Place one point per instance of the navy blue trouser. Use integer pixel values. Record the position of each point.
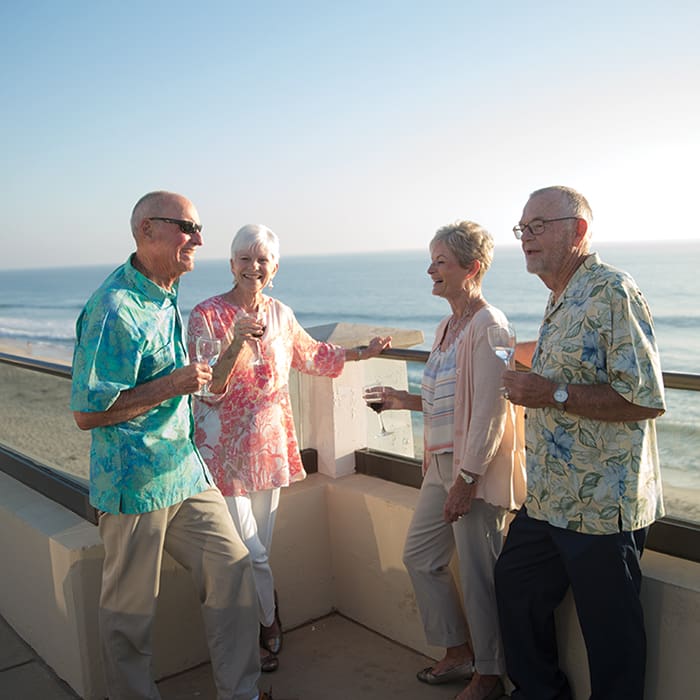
(536, 567)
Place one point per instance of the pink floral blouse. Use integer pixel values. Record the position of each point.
(247, 437)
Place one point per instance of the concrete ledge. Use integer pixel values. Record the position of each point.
(50, 590)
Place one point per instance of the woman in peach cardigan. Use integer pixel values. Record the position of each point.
(474, 470)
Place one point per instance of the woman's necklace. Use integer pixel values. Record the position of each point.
(249, 308)
(457, 323)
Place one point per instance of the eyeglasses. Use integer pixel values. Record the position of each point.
(188, 227)
(536, 226)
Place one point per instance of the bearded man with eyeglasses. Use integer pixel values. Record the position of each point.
(131, 386)
(593, 479)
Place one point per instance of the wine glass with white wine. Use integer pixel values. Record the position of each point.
(208, 350)
(502, 342)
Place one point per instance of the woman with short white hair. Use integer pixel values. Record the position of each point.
(245, 432)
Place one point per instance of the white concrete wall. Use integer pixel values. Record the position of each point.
(49, 585)
(368, 524)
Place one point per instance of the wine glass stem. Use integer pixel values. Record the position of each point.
(256, 351)
(507, 364)
(384, 431)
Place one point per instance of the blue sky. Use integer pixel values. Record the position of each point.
(344, 126)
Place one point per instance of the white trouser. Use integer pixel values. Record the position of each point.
(254, 517)
(199, 534)
(430, 544)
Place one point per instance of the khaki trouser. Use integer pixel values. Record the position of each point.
(199, 534)
(430, 544)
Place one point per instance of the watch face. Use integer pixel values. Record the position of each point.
(561, 395)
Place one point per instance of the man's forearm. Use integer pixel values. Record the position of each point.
(602, 402)
(129, 404)
(595, 401)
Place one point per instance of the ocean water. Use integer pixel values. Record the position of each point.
(38, 309)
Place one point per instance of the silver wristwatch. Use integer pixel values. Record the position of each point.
(468, 478)
(561, 396)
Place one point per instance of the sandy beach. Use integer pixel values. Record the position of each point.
(35, 419)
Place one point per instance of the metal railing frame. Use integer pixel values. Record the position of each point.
(669, 535)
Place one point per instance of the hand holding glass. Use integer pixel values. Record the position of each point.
(374, 400)
(208, 350)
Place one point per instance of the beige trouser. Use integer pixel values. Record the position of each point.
(199, 534)
(430, 544)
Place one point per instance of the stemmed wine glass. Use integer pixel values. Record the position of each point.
(502, 342)
(257, 353)
(373, 398)
(208, 350)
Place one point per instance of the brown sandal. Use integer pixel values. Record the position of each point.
(268, 662)
(271, 636)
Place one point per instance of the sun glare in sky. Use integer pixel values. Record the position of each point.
(344, 126)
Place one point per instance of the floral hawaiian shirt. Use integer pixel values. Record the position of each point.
(247, 436)
(596, 477)
(129, 333)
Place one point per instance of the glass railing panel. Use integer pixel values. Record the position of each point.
(678, 432)
(36, 421)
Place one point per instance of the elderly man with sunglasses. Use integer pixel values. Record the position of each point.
(593, 481)
(131, 387)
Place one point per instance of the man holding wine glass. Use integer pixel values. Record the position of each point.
(131, 387)
(474, 471)
(245, 431)
(593, 480)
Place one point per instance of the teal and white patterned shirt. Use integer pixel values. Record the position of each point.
(129, 333)
(594, 476)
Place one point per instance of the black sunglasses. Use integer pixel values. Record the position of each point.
(188, 227)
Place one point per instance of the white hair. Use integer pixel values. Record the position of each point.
(256, 235)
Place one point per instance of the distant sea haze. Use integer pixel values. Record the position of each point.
(38, 309)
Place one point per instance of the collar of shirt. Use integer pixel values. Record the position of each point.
(150, 289)
(573, 285)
